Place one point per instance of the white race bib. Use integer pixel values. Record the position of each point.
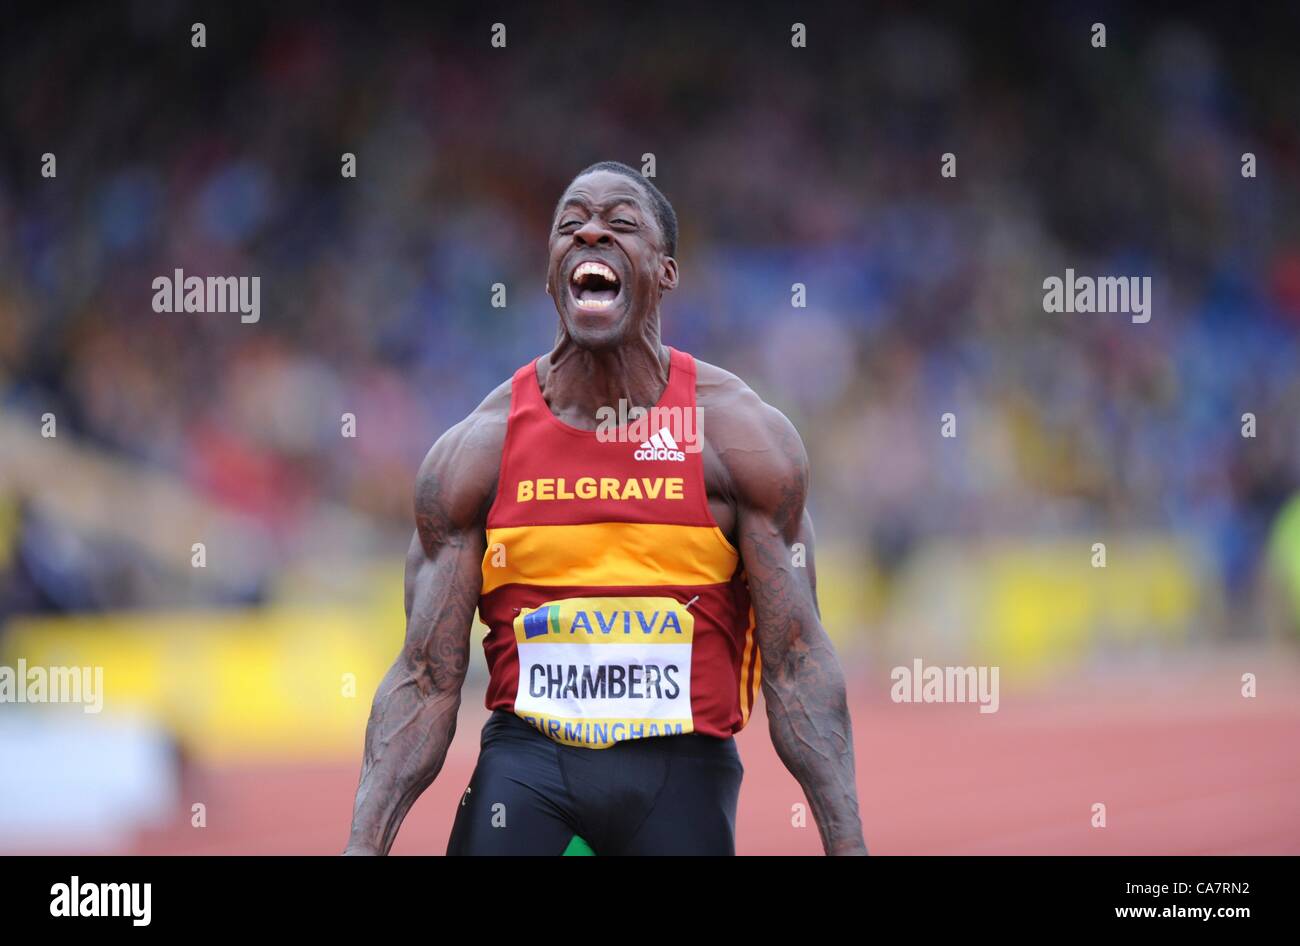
(597, 671)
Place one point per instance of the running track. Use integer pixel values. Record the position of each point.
(1184, 765)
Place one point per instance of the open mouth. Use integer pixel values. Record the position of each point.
(594, 286)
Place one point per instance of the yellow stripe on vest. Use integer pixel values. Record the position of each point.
(607, 554)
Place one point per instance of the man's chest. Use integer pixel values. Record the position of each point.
(554, 479)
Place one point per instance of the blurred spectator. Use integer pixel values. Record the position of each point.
(818, 166)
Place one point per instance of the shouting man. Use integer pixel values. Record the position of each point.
(639, 582)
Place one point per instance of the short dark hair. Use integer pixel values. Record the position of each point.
(663, 210)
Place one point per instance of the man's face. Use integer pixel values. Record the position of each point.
(607, 264)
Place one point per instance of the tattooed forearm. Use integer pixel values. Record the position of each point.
(413, 717)
(809, 720)
(803, 683)
(406, 742)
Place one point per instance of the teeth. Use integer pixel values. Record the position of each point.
(594, 269)
(594, 303)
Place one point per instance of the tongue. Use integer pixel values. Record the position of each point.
(601, 292)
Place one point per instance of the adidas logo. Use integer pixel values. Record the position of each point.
(661, 446)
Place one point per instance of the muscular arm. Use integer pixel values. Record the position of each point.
(803, 683)
(413, 717)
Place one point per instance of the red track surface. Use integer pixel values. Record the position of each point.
(1184, 766)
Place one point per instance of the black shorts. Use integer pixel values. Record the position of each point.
(661, 795)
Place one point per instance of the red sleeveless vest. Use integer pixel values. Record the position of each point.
(616, 608)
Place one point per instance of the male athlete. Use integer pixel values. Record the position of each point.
(637, 583)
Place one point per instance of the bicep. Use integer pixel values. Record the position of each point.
(444, 561)
(442, 591)
(776, 541)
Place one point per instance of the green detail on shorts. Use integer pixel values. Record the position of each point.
(578, 848)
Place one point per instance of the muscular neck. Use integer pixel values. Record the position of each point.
(576, 382)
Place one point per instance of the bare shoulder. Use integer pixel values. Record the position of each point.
(458, 477)
(756, 443)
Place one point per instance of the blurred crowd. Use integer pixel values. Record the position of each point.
(817, 165)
